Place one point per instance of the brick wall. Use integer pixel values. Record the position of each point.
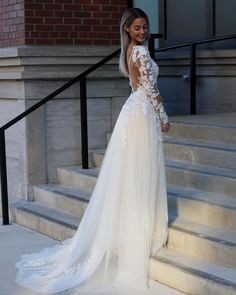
(12, 28)
(60, 22)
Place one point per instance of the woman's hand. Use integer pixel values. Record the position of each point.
(166, 127)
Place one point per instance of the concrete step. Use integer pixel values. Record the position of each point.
(96, 157)
(200, 130)
(187, 203)
(201, 152)
(202, 207)
(71, 200)
(75, 176)
(204, 241)
(192, 275)
(211, 243)
(46, 220)
(60, 226)
(184, 235)
(196, 239)
(217, 128)
(192, 151)
(202, 177)
(190, 203)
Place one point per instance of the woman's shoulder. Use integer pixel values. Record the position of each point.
(140, 51)
(141, 48)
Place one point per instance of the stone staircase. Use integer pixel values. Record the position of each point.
(200, 156)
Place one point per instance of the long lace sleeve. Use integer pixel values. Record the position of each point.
(142, 60)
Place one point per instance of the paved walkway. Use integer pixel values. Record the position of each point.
(15, 241)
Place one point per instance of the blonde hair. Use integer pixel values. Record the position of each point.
(127, 19)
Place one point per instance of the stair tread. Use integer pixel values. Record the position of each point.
(200, 143)
(98, 151)
(199, 195)
(47, 212)
(189, 142)
(207, 269)
(226, 237)
(175, 190)
(78, 169)
(171, 256)
(202, 169)
(66, 191)
(215, 234)
(223, 120)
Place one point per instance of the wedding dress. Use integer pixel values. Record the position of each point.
(126, 220)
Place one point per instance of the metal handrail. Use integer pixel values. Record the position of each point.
(193, 76)
(59, 90)
(201, 41)
(84, 133)
(83, 109)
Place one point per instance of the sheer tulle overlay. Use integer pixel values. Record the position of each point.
(125, 222)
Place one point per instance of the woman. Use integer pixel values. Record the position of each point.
(126, 219)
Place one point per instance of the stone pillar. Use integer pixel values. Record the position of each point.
(50, 137)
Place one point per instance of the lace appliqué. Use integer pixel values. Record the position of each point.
(134, 106)
(142, 60)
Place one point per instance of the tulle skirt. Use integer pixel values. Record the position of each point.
(125, 222)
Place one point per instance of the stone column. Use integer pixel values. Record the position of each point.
(50, 137)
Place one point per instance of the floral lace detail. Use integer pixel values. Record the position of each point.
(141, 58)
(136, 104)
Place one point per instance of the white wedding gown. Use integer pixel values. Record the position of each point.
(126, 220)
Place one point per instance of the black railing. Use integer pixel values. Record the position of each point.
(84, 133)
(151, 44)
(193, 77)
(83, 108)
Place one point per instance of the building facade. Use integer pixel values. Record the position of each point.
(45, 43)
(72, 22)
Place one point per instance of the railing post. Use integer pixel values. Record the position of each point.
(152, 46)
(3, 171)
(193, 79)
(84, 127)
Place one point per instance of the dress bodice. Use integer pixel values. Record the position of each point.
(143, 73)
(133, 76)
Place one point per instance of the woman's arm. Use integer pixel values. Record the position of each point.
(142, 60)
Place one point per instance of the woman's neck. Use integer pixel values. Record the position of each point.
(133, 43)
